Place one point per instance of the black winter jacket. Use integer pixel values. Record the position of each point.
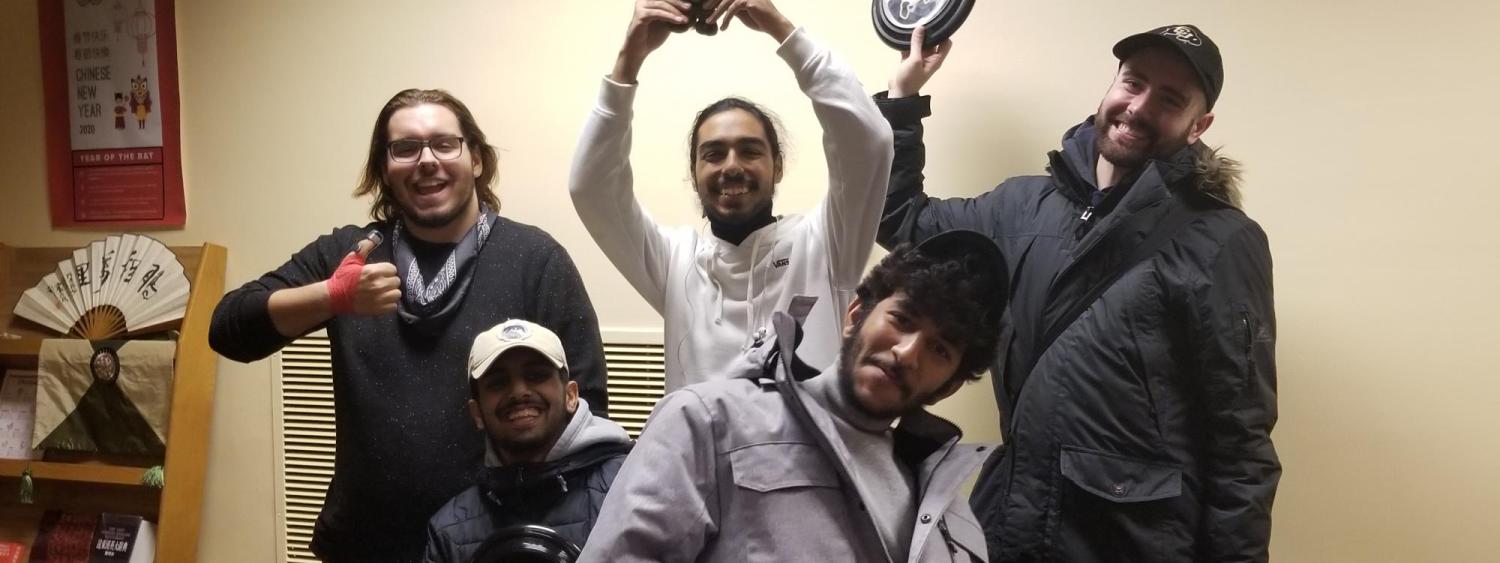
(564, 495)
(1143, 432)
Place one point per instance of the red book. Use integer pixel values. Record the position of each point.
(64, 537)
(11, 552)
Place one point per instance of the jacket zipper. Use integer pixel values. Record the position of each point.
(948, 538)
(1085, 221)
(1249, 342)
(1249, 335)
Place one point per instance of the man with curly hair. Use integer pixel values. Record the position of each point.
(794, 465)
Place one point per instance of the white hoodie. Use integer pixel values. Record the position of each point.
(714, 296)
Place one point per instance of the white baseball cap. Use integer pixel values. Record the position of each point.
(512, 334)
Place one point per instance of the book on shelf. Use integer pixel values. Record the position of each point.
(123, 538)
(12, 552)
(64, 537)
(17, 416)
(86, 537)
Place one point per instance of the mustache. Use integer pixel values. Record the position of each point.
(1139, 124)
(538, 402)
(734, 178)
(898, 373)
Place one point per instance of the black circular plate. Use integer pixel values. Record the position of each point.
(526, 543)
(895, 19)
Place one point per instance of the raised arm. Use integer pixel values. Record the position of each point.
(857, 146)
(601, 183)
(910, 215)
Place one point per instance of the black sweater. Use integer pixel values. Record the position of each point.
(406, 443)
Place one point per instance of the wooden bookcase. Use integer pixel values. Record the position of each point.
(113, 484)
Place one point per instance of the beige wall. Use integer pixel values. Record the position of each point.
(1361, 124)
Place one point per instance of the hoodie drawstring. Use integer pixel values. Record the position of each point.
(704, 260)
(753, 333)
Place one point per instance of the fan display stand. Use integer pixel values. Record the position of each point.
(113, 483)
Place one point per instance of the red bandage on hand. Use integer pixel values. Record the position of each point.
(344, 282)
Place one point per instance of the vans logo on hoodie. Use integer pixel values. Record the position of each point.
(781, 262)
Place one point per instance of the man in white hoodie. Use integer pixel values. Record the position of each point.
(717, 290)
(548, 460)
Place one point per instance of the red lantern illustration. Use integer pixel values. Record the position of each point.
(142, 27)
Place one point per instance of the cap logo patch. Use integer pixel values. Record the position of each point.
(515, 332)
(1184, 34)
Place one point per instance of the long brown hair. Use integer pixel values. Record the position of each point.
(372, 181)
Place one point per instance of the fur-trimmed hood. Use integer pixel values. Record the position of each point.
(1213, 173)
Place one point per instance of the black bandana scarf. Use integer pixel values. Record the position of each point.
(428, 305)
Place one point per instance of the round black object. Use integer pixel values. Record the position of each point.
(697, 16)
(526, 544)
(896, 19)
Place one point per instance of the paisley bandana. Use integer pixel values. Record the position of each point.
(426, 304)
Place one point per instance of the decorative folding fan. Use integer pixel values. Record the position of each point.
(117, 285)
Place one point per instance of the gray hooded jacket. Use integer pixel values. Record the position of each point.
(752, 469)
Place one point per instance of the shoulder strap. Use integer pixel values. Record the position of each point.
(788, 328)
(1176, 218)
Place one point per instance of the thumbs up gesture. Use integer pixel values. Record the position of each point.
(359, 288)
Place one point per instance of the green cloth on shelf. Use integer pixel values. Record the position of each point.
(106, 396)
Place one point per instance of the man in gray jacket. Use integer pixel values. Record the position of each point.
(779, 463)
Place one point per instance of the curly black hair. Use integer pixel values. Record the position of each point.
(959, 294)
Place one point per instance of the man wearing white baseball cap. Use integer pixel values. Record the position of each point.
(548, 460)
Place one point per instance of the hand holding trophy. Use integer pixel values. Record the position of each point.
(654, 20)
(918, 64)
(896, 20)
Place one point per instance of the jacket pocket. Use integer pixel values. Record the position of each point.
(786, 505)
(769, 467)
(1119, 508)
(1119, 478)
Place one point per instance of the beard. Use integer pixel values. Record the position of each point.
(757, 212)
(1156, 146)
(847, 363)
(440, 218)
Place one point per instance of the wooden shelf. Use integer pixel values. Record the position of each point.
(96, 484)
(101, 473)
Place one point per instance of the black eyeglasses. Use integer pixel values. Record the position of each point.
(410, 150)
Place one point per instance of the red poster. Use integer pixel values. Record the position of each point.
(114, 153)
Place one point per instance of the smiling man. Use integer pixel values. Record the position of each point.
(1138, 387)
(548, 461)
(400, 317)
(716, 290)
(763, 466)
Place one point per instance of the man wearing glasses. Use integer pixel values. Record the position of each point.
(401, 316)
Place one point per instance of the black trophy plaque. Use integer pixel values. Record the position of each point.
(896, 19)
